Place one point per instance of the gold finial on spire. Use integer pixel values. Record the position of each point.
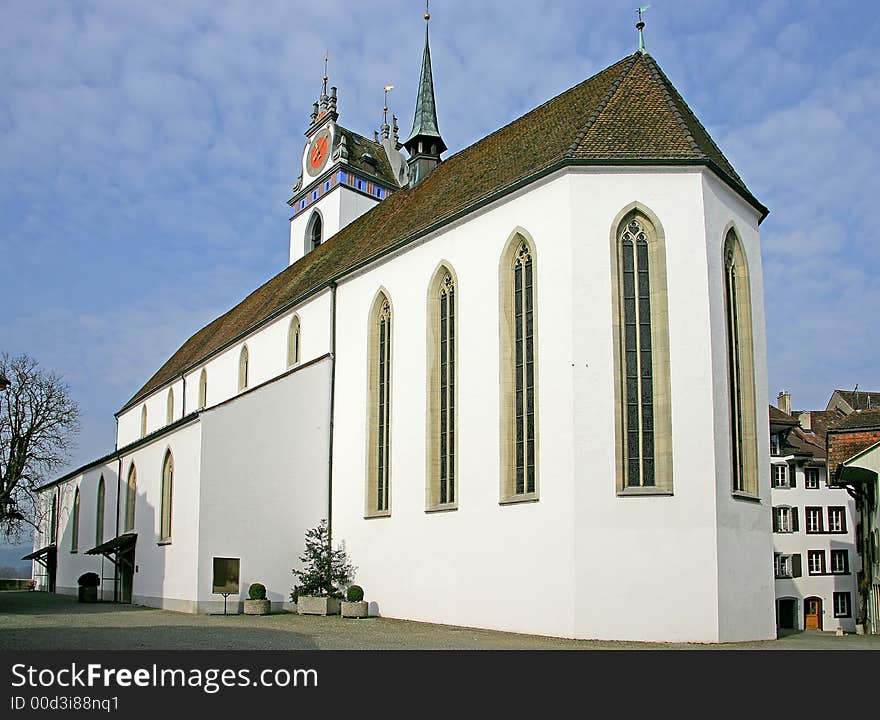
(326, 60)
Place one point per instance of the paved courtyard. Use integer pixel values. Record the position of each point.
(39, 621)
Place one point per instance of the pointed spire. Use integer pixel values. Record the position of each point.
(425, 144)
(640, 26)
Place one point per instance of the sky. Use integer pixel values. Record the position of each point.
(147, 151)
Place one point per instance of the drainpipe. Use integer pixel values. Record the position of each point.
(332, 411)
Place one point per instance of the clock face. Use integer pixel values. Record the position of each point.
(318, 152)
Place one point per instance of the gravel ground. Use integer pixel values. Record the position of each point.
(39, 621)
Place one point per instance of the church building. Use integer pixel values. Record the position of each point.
(524, 383)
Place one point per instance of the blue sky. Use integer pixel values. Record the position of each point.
(147, 150)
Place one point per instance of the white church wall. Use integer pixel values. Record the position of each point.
(165, 572)
(70, 565)
(646, 566)
(129, 425)
(745, 544)
(328, 207)
(506, 567)
(264, 482)
(351, 206)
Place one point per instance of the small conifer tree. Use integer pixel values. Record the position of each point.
(325, 571)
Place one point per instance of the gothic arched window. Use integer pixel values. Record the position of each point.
(243, 362)
(130, 499)
(378, 501)
(643, 409)
(314, 232)
(99, 513)
(143, 420)
(293, 342)
(167, 493)
(203, 389)
(518, 370)
(740, 369)
(169, 407)
(74, 523)
(442, 377)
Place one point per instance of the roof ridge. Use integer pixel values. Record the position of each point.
(600, 108)
(665, 84)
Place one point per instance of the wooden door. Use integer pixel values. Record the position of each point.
(813, 614)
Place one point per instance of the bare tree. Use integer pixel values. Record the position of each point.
(38, 421)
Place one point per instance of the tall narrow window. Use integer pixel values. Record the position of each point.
(314, 232)
(243, 361)
(53, 519)
(99, 513)
(442, 490)
(130, 499)
(143, 420)
(74, 523)
(740, 369)
(379, 418)
(518, 370)
(293, 340)
(203, 389)
(167, 494)
(169, 407)
(644, 432)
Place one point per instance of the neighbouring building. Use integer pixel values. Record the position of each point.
(525, 385)
(853, 447)
(814, 552)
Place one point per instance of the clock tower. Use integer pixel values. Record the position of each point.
(343, 175)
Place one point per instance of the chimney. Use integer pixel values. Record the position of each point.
(783, 401)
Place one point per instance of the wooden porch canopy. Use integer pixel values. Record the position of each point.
(41, 556)
(112, 549)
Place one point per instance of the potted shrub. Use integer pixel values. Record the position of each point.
(88, 587)
(354, 606)
(257, 604)
(325, 572)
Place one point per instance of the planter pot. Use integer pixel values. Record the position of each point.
(860, 629)
(88, 594)
(257, 607)
(355, 609)
(312, 605)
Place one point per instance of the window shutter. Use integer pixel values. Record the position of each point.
(792, 476)
(775, 521)
(796, 566)
(794, 520)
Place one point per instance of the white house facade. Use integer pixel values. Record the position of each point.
(523, 385)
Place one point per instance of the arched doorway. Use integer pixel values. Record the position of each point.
(786, 614)
(813, 613)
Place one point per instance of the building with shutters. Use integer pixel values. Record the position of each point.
(525, 384)
(815, 562)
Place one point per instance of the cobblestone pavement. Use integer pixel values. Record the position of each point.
(39, 621)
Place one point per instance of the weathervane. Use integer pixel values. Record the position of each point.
(326, 59)
(640, 26)
(386, 129)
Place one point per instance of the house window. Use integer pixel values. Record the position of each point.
(836, 520)
(842, 608)
(518, 371)
(816, 562)
(779, 475)
(169, 407)
(203, 389)
(442, 376)
(774, 444)
(740, 368)
(840, 562)
(782, 565)
(143, 420)
(814, 519)
(293, 334)
(130, 499)
(167, 493)
(811, 478)
(99, 513)
(643, 413)
(785, 519)
(74, 523)
(243, 362)
(378, 496)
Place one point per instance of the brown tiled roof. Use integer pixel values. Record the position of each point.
(777, 417)
(359, 148)
(801, 442)
(821, 420)
(627, 114)
(860, 400)
(858, 419)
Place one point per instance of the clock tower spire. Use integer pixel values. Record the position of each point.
(425, 144)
